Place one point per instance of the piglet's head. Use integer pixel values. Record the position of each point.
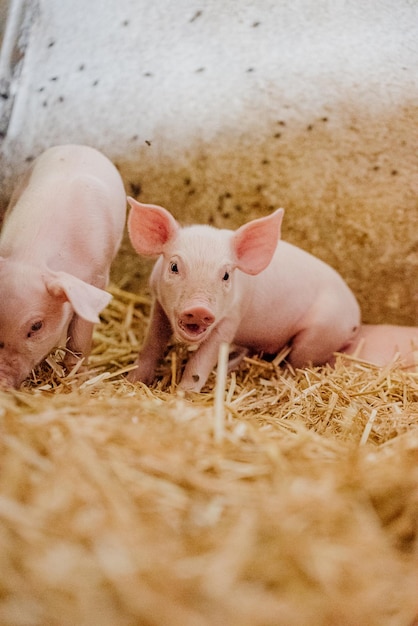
(194, 278)
(36, 308)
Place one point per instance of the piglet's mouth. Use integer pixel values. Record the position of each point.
(192, 332)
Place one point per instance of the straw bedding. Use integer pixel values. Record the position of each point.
(272, 498)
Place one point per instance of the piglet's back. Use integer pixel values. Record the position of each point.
(71, 202)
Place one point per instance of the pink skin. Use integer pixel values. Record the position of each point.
(383, 344)
(212, 286)
(61, 231)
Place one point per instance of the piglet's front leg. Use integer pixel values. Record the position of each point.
(80, 333)
(201, 363)
(158, 335)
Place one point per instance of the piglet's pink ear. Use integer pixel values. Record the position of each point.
(86, 300)
(254, 243)
(150, 227)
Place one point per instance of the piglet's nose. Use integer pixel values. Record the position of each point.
(7, 381)
(198, 315)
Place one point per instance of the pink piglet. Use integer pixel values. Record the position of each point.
(244, 287)
(62, 229)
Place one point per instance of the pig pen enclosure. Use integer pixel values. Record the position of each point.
(278, 497)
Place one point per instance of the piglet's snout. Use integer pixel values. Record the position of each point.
(195, 320)
(7, 380)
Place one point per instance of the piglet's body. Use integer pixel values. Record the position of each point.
(61, 231)
(382, 344)
(242, 287)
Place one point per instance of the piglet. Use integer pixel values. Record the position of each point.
(62, 228)
(383, 344)
(242, 287)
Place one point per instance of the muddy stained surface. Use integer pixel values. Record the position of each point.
(218, 116)
(347, 190)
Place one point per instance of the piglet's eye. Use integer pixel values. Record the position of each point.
(174, 268)
(35, 327)
(225, 276)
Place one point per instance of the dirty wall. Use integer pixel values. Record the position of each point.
(224, 110)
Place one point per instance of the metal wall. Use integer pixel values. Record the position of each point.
(224, 110)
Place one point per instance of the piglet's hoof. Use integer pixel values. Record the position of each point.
(133, 376)
(75, 364)
(140, 374)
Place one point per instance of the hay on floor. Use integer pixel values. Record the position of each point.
(275, 498)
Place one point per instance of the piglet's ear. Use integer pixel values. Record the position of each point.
(254, 244)
(150, 227)
(86, 300)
